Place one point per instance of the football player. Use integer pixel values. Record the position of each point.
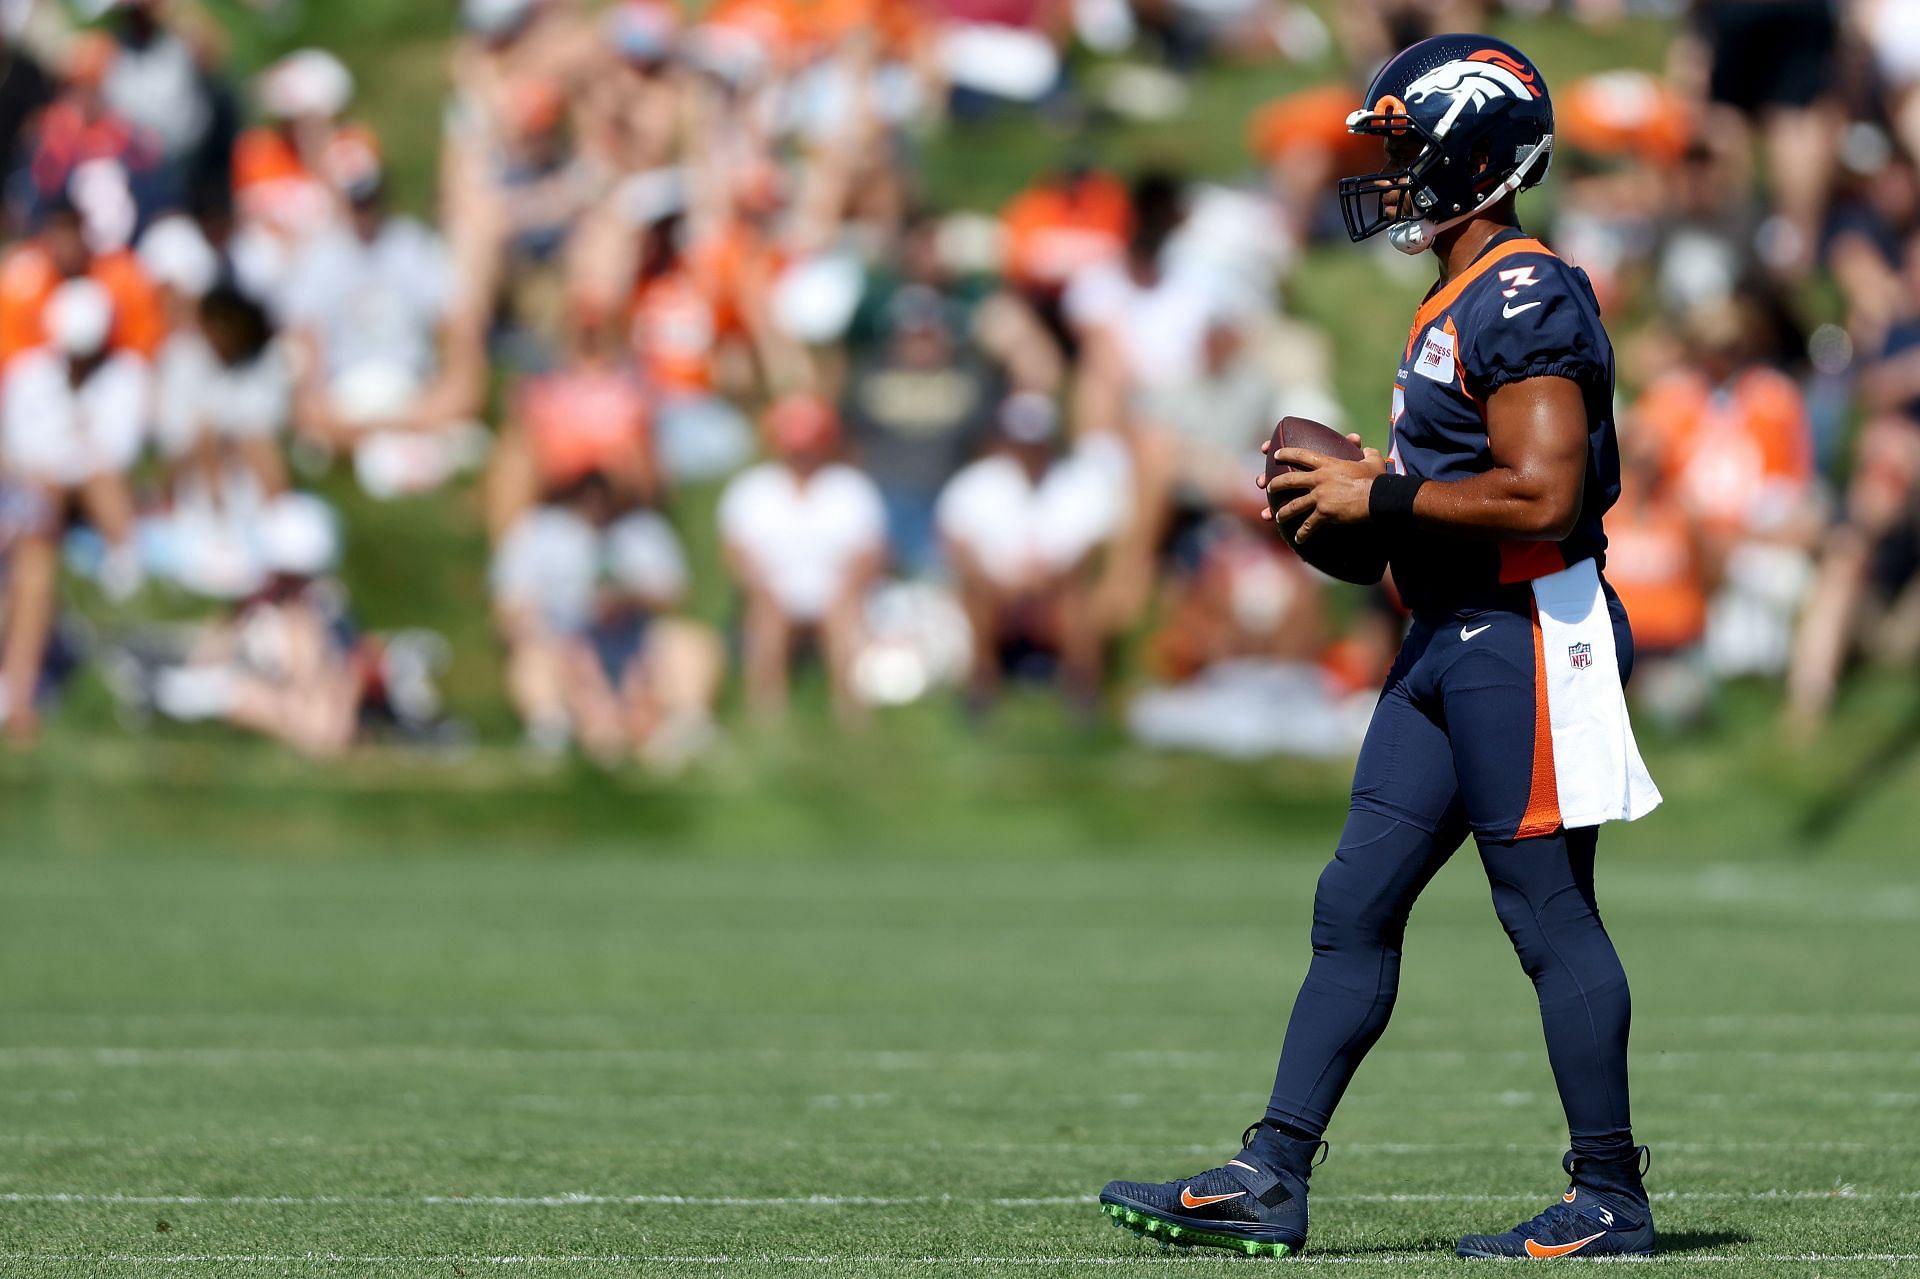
(1504, 715)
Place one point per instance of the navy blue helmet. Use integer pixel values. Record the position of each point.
(1467, 121)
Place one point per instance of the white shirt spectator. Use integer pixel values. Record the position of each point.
(376, 305)
(53, 432)
(159, 88)
(1019, 531)
(1161, 328)
(803, 541)
(196, 394)
(554, 563)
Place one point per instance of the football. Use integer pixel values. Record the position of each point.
(1351, 553)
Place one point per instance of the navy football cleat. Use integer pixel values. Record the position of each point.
(1604, 1213)
(1256, 1203)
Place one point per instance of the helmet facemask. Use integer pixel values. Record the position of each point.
(1373, 202)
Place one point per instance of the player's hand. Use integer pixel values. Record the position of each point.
(1326, 490)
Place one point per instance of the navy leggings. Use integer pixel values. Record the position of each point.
(1543, 893)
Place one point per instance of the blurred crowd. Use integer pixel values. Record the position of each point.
(684, 289)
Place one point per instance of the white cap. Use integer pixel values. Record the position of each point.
(177, 255)
(494, 17)
(79, 318)
(298, 536)
(311, 82)
(1029, 417)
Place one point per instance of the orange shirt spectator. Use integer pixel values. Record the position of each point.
(586, 420)
(675, 330)
(1056, 228)
(1313, 120)
(1654, 565)
(274, 185)
(28, 277)
(1625, 113)
(1738, 455)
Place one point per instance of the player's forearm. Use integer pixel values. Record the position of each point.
(1500, 503)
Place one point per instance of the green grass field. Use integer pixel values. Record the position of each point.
(446, 1064)
(903, 1004)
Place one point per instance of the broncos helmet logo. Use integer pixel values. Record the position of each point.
(1472, 82)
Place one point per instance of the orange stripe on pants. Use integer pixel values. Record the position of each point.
(1543, 798)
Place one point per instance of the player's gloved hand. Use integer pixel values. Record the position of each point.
(1330, 491)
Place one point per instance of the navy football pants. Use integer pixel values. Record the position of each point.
(1452, 750)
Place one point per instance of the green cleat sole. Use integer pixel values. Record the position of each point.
(1165, 1232)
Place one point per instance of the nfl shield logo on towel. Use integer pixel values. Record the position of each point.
(1580, 655)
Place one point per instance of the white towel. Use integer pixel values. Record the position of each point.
(1596, 764)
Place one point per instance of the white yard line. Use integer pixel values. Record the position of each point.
(326, 1145)
(576, 1200)
(359, 1055)
(896, 1262)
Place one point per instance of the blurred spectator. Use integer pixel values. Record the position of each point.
(1706, 238)
(29, 587)
(1865, 594)
(1892, 32)
(390, 365)
(915, 411)
(72, 420)
(1240, 653)
(1021, 527)
(34, 269)
(224, 403)
(1738, 450)
(679, 321)
(1770, 63)
(162, 84)
(1060, 225)
(25, 90)
(1302, 138)
(588, 416)
(998, 52)
(288, 664)
(1657, 565)
(537, 188)
(583, 593)
(805, 536)
(289, 171)
(984, 318)
(86, 150)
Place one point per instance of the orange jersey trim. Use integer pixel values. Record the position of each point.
(1449, 293)
(1543, 797)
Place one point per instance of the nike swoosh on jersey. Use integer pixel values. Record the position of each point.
(1190, 1200)
(1509, 311)
(1538, 1249)
(1466, 634)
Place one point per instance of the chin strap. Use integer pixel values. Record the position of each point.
(1417, 236)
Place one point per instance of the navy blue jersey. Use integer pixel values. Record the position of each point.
(1517, 312)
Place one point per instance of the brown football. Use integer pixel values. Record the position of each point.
(1349, 552)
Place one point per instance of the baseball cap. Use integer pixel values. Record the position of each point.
(311, 82)
(643, 31)
(79, 318)
(1029, 417)
(176, 254)
(494, 18)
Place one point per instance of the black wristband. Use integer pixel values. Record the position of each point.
(1390, 500)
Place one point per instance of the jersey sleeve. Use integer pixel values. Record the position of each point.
(1535, 319)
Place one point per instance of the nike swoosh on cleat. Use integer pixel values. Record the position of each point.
(1466, 634)
(1190, 1200)
(1538, 1249)
(1508, 312)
